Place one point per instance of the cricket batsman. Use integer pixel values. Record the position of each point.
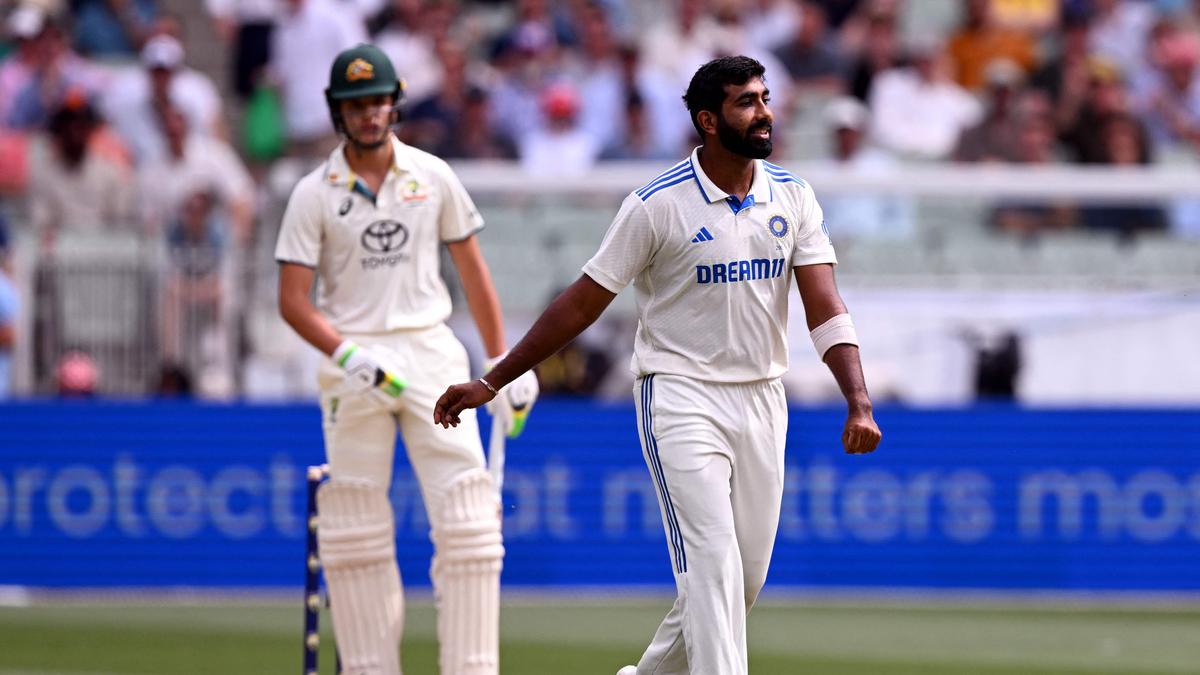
(367, 226)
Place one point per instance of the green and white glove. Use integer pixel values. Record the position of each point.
(510, 408)
(365, 373)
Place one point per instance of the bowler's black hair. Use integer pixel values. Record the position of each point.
(707, 88)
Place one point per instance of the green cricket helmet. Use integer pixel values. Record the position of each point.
(363, 70)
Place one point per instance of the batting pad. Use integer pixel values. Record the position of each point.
(466, 576)
(358, 551)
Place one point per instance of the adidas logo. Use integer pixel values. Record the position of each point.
(702, 236)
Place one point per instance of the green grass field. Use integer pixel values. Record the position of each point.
(561, 636)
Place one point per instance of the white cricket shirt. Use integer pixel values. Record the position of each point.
(712, 275)
(377, 257)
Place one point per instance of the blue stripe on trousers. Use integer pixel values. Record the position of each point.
(676, 535)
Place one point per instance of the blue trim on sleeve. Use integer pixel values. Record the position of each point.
(781, 175)
(662, 186)
(669, 173)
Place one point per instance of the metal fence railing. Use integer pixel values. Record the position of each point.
(119, 317)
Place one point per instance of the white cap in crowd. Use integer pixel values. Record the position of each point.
(162, 51)
(26, 22)
(846, 112)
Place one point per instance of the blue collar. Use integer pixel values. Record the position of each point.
(736, 205)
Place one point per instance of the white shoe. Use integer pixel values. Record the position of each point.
(628, 670)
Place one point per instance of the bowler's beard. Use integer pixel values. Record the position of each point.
(743, 143)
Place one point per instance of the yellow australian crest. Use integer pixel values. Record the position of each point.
(360, 69)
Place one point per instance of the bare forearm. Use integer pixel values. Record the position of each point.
(844, 363)
(485, 310)
(310, 324)
(481, 294)
(571, 312)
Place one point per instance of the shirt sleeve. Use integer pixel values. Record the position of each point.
(813, 245)
(627, 249)
(300, 233)
(459, 218)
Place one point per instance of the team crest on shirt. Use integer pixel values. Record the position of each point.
(413, 191)
(778, 225)
(360, 69)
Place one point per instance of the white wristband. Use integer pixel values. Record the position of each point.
(837, 331)
(344, 350)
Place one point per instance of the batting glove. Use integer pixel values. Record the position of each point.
(365, 373)
(510, 408)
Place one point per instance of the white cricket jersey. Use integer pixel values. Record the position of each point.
(711, 274)
(377, 256)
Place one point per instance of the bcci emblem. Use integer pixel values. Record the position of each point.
(778, 226)
(384, 236)
(360, 69)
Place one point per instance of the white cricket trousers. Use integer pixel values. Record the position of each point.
(715, 453)
(360, 431)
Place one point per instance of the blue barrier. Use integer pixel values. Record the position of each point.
(166, 494)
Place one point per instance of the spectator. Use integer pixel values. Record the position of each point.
(1124, 143)
(24, 26)
(535, 24)
(980, 41)
(1119, 33)
(1171, 104)
(246, 26)
(474, 138)
(306, 40)
(112, 28)
(54, 71)
(638, 143)
(195, 290)
(563, 148)
(405, 43)
(677, 46)
(862, 216)
(76, 184)
(134, 103)
(810, 55)
(9, 308)
(76, 376)
(172, 382)
(837, 12)
(919, 112)
(879, 52)
(431, 123)
(1105, 99)
(526, 67)
(774, 22)
(1065, 77)
(994, 138)
(1033, 145)
(669, 127)
(597, 73)
(193, 161)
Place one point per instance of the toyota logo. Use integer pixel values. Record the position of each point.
(384, 236)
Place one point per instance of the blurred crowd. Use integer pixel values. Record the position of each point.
(122, 116)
